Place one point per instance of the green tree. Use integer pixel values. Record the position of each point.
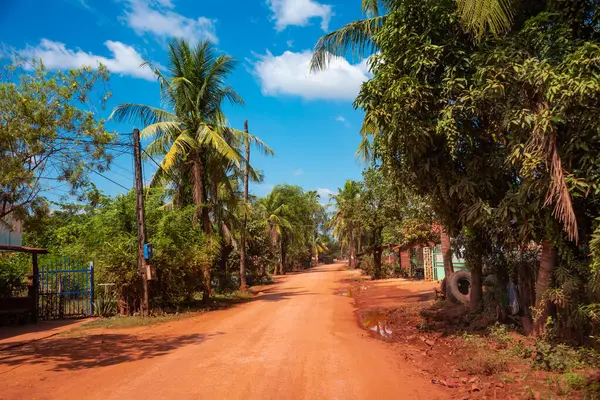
(487, 130)
(46, 134)
(346, 226)
(379, 206)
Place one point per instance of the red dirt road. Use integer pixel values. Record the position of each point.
(299, 340)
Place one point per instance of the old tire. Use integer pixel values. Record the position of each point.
(458, 287)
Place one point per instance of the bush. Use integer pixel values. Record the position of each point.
(500, 335)
(106, 304)
(13, 268)
(558, 357)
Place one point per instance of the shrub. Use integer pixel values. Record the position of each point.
(558, 357)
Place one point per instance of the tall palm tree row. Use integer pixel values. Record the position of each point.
(201, 153)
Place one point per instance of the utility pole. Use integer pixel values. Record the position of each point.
(141, 219)
(245, 221)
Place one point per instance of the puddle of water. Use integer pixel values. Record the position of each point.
(346, 293)
(375, 322)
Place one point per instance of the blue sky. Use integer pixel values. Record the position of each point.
(307, 119)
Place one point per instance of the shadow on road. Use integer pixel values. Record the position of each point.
(94, 351)
(7, 332)
(278, 296)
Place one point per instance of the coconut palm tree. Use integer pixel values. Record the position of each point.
(275, 215)
(319, 245)
(192, 134)
(195, 90)
(345, 226)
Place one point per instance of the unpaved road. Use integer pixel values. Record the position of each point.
(298, 340)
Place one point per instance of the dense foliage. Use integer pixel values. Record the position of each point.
(195, 210)
(375, 214)
(46, 134)
(498, 132)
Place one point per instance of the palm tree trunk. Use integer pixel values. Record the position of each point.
(245, 219)
(447, 253)
(197, 184)
(352, 252)
(283, 259)
(548, 260)
(199, 195)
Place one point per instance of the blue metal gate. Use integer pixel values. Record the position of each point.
(65, 289)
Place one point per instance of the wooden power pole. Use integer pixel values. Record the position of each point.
(245, 221)
(141, 219)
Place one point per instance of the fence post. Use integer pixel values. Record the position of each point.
(36, 282)
(91, 288)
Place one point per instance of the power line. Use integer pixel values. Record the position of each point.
(158, 165)
(98, 173)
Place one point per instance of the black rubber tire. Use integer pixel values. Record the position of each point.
(458, 286)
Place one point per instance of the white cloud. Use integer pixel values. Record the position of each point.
(158, 18)
(299, 13)
(341, 119)
(290, 43)
(289, 74)
(298, 172)
(324, 194)
(124, 60)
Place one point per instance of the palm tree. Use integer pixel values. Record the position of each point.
(319, 245)
(194, 138)
(275, 215)
(345, 227)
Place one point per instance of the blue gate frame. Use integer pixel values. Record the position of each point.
(65, 289)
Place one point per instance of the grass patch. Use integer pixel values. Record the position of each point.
(131, 322)
(574, 381)
(483, 363)
(220, 301)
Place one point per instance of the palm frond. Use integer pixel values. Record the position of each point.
(182, 144)
(160, 129)
(210, 137)
(364, 151)
(146, 115)
(374, 8)
(543, 144)
(481, 16)
(257, 143)
(356, 37)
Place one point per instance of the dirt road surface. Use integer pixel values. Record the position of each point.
(298, 340)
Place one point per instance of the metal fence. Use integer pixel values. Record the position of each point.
(65, 289)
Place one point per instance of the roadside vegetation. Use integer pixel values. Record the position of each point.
(197, 203)
(480, 133)
(482, 115)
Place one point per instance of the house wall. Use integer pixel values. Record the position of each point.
(11, 231)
